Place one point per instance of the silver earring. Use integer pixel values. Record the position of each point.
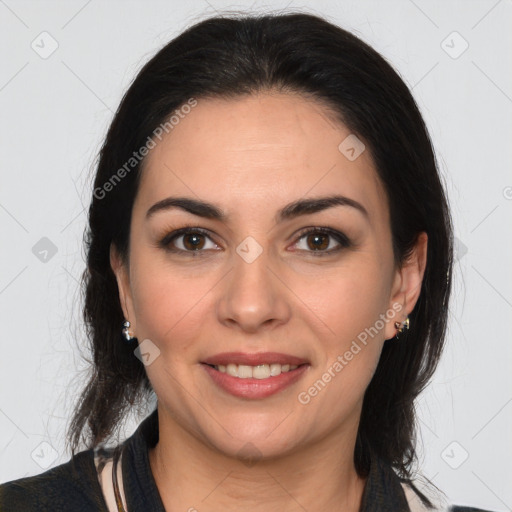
(126, 331)
(401, 326)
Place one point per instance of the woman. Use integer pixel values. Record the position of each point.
(269, 251)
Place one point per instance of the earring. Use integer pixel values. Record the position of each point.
(401, 326)
(126, 331)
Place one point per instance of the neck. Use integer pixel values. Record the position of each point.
(191, 475)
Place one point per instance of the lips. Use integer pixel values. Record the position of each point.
(242, 358)
(253, 388)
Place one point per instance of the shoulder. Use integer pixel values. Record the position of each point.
(73, 485)
(416, 502)
(460, 508)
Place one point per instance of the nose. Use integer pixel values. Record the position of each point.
(253, 298)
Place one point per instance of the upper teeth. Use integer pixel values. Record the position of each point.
(262, 371)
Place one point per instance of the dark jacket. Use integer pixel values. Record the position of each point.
(74, 486)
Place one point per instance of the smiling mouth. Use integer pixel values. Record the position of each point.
(261, 371)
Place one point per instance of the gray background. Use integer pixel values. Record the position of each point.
(55, 110)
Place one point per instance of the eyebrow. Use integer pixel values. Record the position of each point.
(289, 211)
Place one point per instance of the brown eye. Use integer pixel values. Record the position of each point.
(193, 241)
(317, 241)
(322, 241)
(188, 240)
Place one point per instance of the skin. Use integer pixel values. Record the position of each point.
(250, 156)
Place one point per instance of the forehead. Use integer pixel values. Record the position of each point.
(255, 153)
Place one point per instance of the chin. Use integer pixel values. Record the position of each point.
(250, 444)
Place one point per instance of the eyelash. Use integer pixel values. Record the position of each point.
(342, 239)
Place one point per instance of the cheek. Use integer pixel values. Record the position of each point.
(350, 304)
(351, 344)
(347, 300)
(169, 306)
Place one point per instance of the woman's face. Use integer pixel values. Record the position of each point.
(254, 281)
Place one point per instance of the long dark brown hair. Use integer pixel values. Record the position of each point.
(232, 55)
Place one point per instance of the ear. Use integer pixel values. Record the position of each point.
(407, 284)
(121, 271)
